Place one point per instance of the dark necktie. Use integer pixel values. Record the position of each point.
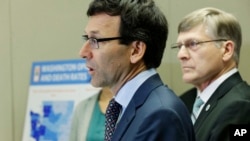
(112, 113)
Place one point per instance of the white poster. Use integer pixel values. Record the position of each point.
(56, 87)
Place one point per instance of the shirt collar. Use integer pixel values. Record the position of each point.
(207, 93)
(126, 93)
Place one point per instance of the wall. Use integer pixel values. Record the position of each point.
(176, 10)
(6, 93)
(33, 30)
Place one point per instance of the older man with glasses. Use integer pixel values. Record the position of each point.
(208, 44)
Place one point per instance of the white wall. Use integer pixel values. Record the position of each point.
(33, 30)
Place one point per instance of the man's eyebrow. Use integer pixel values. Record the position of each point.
(92, 33)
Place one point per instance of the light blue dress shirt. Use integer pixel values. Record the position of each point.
(128, 90)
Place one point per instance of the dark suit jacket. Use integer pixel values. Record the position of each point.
(228, 105)
(154, 113)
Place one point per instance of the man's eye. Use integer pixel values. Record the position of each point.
(191, 44)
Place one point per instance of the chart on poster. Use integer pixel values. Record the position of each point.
(56, 87)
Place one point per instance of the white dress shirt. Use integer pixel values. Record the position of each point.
(210, 89)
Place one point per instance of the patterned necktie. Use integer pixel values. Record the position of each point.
(197, 104)
(112, 113)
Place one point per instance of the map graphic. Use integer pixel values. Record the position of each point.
(56, 87)
(53, 122)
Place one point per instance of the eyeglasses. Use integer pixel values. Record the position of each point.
(192, 44)
(94, 42)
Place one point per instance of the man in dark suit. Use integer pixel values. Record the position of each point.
(209, 42)
(125, 42)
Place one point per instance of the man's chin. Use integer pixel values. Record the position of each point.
(188, 80)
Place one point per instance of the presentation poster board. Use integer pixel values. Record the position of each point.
(56, 87)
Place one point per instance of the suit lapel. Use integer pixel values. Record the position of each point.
(219, 93)
(188, 98)
(138, 99)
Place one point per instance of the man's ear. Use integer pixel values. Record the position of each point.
(137, 52)
(228, 50)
